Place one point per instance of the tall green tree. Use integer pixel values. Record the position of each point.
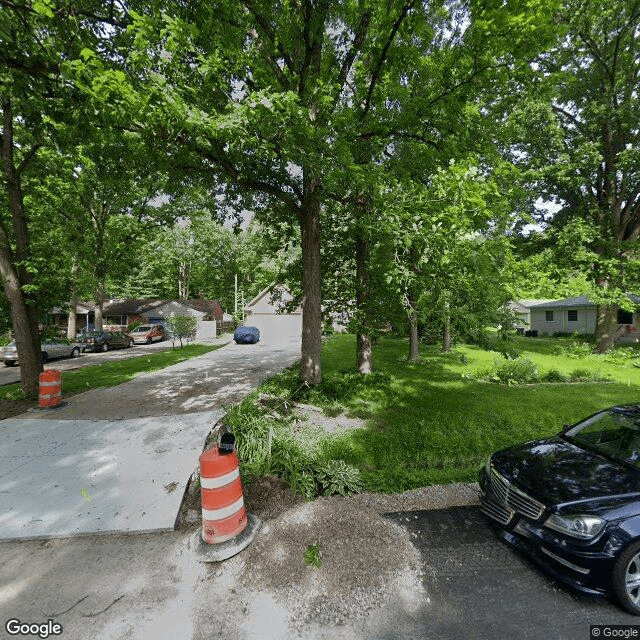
(36, 37)
(268, 98)
(579, 133)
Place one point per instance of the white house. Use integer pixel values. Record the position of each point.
(577, 315)
(267, 312)
(522, 313)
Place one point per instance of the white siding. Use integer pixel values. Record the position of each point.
(586, 322)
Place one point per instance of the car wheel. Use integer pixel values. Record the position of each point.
(104, 347)
(9, 363)
(130, 343)
(75, 353)
(149, 341)
(45, 357)
(626, 578)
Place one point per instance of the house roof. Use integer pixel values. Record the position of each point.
(134, 306)
(210, 307)
(578, 301)
(523, 306)
(82, 308)
(284, 294)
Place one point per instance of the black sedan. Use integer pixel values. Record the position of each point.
(572, 503)
(105, 340)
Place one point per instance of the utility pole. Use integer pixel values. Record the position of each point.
(235, 277)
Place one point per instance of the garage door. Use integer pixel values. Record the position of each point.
(277, 328)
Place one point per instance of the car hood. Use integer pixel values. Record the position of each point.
(557, 472)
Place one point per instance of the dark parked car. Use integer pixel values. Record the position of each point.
(105, 340)
(572, 503)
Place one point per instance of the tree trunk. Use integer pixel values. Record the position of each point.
(27, 343)
(310, 369)
(98, 322)
(446, 329)
(24, 318)
(414, 345)
(364, 355)
(606, 324)
(184, 271)
(72, 327)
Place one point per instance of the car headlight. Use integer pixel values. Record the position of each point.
(583, 527)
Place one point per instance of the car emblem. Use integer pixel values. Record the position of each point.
(516, 473)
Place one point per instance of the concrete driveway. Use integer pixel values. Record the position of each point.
(119, 459)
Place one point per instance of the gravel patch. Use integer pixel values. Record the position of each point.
(370, 569)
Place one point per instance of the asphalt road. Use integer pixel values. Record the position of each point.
(149, 586)
(480, 588)
(9, 375)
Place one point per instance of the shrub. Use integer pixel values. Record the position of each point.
(580, 375)
(584, 375)
(577, 350)
(622, 355)
(518, 371)
(554, 375)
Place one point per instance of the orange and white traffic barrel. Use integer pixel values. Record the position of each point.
(223, 512)
(227, 528)
(50, 389)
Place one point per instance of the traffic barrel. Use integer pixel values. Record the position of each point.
(223, 512)
(227, 528)
(50, 389)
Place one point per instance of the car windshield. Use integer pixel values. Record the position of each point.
(142, 329)
(93, 334)
(615, 432)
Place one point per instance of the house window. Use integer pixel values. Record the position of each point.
(625, 317)
(548, 316)
(572, 315)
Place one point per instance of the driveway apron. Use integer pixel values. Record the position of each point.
(119, 459)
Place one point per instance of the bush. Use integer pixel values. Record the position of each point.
(554, 375)
(622, 355)
(577, 350)
(335, 387)
(518, 371)
(580, 375)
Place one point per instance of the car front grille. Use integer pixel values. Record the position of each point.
(513, 498)
(496, 511)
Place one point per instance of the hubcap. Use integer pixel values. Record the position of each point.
(632, 579)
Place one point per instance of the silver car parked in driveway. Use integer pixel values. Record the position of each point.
(49, 348)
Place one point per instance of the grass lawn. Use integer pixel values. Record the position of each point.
(110, 374)
(432, 422)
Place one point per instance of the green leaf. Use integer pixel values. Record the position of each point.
(43, 7)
